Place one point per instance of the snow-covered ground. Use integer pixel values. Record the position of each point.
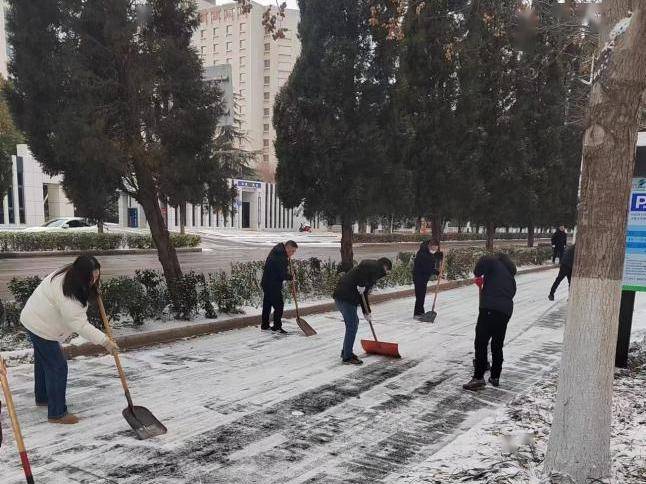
(251, 407)
(218, 237)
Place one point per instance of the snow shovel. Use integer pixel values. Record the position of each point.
(305, 327)
(140, 419)
(15, 424)
(377, 347)
(431, 315)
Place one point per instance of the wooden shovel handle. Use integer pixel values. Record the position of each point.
(365, 304)
(117, 360)
(437, 286)
(291, 270)
(15, 425)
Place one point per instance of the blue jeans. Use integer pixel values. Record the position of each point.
(351, 319)
(50, 375)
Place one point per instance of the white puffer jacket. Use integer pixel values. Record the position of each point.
(53, 316)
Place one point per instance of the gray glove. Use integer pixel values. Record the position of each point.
(110, 346)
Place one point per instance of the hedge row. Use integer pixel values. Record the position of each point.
(49, 241)
(132, 300)
(387, 238)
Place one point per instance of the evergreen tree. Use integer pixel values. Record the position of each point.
(111, 92)
(327, 135)
(490, 147)
(427, 94)
(10, 136)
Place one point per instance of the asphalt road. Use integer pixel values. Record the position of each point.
(218, 255)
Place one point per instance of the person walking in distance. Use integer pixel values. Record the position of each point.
(565, 270)
(559, 241)
(275, 272)
(427, 263)
(496, 307)
(56, 310)
(347, 296)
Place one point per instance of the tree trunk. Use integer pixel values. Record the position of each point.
(491, 233)
(100, 226)
(530, 236)
(418, 225)
(579, 444)
(363, 227)
(436, 227)
(347, 256)
(147, 197)
(182, 218)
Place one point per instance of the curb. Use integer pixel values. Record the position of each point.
(151, 338)
(63, 253)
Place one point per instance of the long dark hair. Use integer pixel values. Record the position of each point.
(77, 283)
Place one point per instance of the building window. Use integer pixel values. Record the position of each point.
(243, 44)
(215, 48)
(10, 203)
(265, 128)
(243, 95)
(266, 112)
(243, 27)
(215, 62)
(266, 80)
(229, 61)
(267, 46)
(21, 189)
(215, 31)
(266, 96)
(267, 64)
(265, 142)
(229, 46)
(243, 61)
(243, 77)
(229, 28)
(202, 34)
(265, 158)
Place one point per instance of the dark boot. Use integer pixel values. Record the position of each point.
(475, 384)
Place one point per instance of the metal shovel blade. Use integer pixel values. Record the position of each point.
(305, 327)
(380, 348)
(143, 422)
(428, 317)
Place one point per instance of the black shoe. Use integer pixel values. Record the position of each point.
(475, 384)
(265, 328)
(353, 361)
(494, 381)
(551, 297)
(278, 330)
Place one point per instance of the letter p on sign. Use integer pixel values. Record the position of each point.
(638, 202)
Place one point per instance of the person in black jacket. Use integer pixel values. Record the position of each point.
(427, 263)
(275, 272)
(347, 296)
(559, 241)
(496, 274)
(565, 270)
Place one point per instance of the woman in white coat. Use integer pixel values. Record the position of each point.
(55, 311)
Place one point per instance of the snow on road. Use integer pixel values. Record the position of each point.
(250, 407)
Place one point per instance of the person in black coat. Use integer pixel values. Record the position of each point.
(559, 241)
(275, 272)
(347, 296)
(495, 275)
(427, 263)
(565, 270)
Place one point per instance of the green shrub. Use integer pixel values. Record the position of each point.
(227, 298)
(185, 240)
(157, 297)
(22, 288)
(124, 295)
(185, 295)
(389, 238)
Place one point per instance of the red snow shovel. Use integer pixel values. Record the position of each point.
(305, 327)
(140, 419)
(15, 424)
(377, 347)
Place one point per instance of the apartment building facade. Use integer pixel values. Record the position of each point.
(259, 64)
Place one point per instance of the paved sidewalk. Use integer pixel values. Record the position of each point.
(247, 407)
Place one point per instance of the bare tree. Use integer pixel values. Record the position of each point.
(579, 445)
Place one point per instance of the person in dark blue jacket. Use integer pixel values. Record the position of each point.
(427, 263)
(565, 270)
(275, 272)
(496, 274)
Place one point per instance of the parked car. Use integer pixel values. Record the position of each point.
(64, 223)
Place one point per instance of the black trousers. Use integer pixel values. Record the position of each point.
(420, 295)
(273, 298)
(557, 252)
(492, 325)
(563, 273)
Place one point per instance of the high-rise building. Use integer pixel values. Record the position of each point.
(4, 46)
(259, 64)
